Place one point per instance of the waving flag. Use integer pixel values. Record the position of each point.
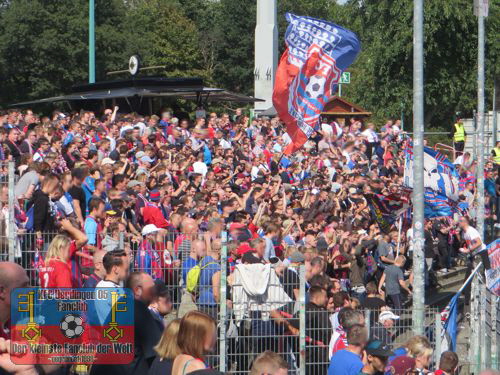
(317, 53)
(441, 182)
(440, 175)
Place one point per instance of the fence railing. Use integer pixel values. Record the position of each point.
(483, 323)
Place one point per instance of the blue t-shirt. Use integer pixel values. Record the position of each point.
(206, 295)
(186, 267)
(88, 188)
(345, 362)
(91, 230)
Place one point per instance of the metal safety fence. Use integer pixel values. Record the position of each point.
(482, 329)
(257, 307)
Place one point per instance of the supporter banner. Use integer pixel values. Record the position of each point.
(440, 174)
(68, 326)
(383, 217)
(493, 274)
(441, 182)
(436, 205)
(317, 53)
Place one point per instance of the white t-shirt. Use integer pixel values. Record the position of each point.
(225, 144)
(470, 235)
(255, 172)
(370, 135)
(327, 129)
(200, 167)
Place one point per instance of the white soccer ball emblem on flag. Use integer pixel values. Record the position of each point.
(72, 326)
(315, 87)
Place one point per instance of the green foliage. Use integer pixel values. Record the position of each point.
(43, 45)
(381, 79)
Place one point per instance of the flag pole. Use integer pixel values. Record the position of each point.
(418, 306)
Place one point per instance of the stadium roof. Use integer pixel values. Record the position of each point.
(146, 87)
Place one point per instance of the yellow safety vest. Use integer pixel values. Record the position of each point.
(496, 158)
(459, 135)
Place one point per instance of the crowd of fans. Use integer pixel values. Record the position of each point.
(148, 201)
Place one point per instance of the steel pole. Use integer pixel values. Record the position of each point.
(91, 41)
(495, 138)
(418, 168)
(223, 305)
(11, 225)
(480, 121)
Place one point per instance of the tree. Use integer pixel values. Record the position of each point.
(382, 75)
(43, 45)
(163, 35)
(235, 30)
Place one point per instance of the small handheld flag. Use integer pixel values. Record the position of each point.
(317, 53)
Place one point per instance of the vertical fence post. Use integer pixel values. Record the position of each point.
(302, 320)
(12, 221)
(475, 328)
(121, 241)
(484, 326)
(494, 331)
(222, 303)
(437, 333)
(367, 319)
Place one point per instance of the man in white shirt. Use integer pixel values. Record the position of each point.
(199, 166)
(327, 130)
(474, 245)
(372, 138)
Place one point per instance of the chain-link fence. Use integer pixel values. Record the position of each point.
(481, 328)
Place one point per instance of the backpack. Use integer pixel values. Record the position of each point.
(193, 276)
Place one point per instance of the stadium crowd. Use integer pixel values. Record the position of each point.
(147, 202)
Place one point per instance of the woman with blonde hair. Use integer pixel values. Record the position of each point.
(196, 338)
(420, 349)
(166, 350)
(56, 270)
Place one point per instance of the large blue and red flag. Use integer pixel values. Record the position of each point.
(441, 182)
(317, 53)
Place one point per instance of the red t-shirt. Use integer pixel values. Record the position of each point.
(56, 274)
(339, 344)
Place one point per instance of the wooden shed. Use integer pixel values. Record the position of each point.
(342, 110)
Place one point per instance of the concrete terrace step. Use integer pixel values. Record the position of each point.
(449, 283)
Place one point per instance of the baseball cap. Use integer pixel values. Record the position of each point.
(297, 257)
(107, 161)
(401, 365)
(235, 226)
(353, 190)
(146, 159)
(250, 258)
(244, 248)
(384, 315)
(150, 228)
(133, 183)
(378, 349)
